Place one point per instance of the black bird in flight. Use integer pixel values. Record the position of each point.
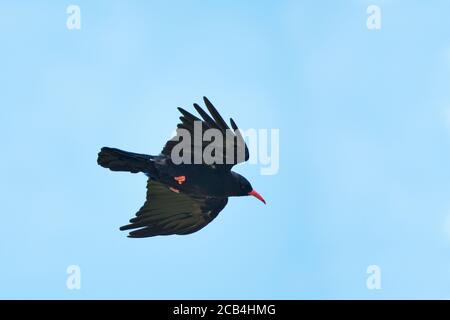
(183, 198)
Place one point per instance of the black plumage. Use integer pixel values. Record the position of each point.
(183, 198)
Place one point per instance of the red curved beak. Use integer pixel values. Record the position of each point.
(257, 196)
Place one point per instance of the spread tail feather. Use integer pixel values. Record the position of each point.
(119, 160)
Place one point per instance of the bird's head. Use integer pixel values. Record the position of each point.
(242, 187)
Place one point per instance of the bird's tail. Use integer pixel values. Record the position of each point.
(119, 160)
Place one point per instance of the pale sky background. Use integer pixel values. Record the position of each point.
(364, 119)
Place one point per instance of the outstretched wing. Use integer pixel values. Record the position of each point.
(166, 212)
(228, 151)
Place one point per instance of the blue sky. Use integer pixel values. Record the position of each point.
(364, 120)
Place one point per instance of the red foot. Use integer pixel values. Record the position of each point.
(174, 190)
(180, 179)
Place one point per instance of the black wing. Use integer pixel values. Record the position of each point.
(166, 212)
(229, 151)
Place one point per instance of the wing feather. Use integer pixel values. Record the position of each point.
(166, 212)
(232, 139)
